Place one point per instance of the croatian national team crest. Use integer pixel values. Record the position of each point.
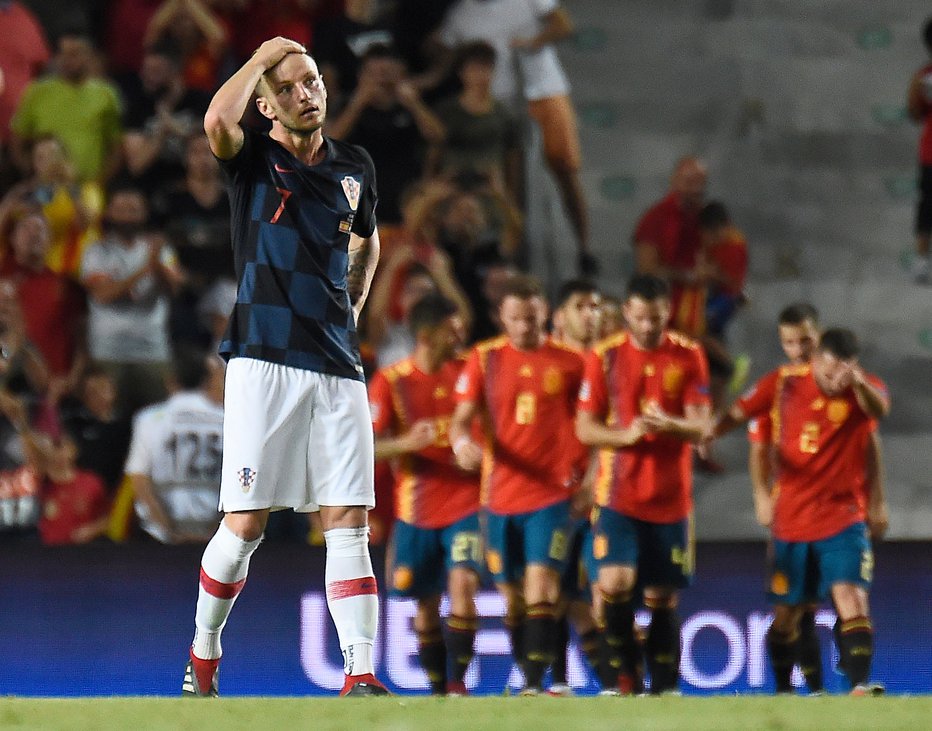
(351, 191)
(247, 478)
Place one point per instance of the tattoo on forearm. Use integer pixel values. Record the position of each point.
(357, 279)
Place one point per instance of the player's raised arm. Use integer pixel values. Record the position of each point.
(363, 259)
(221, 122)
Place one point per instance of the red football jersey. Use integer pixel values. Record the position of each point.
(821, 453)
(529, 396)
(430, 490)
(652, 479)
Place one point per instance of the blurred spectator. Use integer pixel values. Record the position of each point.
(387, 117)
(75, 507)
(392, 337)
(920, 109)
(100, 431)
(415, 24)
(20, 468)
(523, 33)
(22, 368)
(481, 134)
(71, 209)
(130, 275)
(127, 21)
(160, 114)
(668, 244)
(252, 22)
(82, 111)
(52, 305)
(174, 460)
(214, 310)
(725, 249)
(341, 42)
(200, 36)
(195, 215)
(23, 54)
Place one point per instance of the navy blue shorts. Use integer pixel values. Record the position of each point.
(422, 557)
(804, 572)
(663, 554)
(576, 581)
(539, 537)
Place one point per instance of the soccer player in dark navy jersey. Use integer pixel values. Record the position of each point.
(297, 432)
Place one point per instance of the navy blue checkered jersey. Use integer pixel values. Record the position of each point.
(290, 226)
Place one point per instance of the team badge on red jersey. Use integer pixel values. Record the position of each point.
(351, 190)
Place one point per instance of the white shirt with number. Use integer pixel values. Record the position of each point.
(178, 445)
(533, 74)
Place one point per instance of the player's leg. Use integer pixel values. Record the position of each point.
(253, 463)
(340, 470)
(505, 561)
(416, 571)
(846, 564)
(667, 558)
(615, 550)
(224, 567)
(569, 592)
(791, 584)
(462, 549)
(809, 651)
(546, 546)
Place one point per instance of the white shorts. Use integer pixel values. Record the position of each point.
(294, 438)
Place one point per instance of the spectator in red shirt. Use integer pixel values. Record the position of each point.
(75, 508)
(23, 54)
(667, 243)
(920, 109)
(52, 304)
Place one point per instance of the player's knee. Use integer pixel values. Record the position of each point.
(246, 526)
(850, 600)
(616, 580)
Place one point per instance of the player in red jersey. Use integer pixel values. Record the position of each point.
(525, 384)
(577, 320)
(644, 399)
(435, 541)
(822, 416)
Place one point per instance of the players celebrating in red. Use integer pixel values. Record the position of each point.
(822, 416)
(645, 397)
(435, 542)
(526, 385)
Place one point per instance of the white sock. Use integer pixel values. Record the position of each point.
(223, 573)
(352, 596)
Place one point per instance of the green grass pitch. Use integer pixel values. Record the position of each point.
(400, 713)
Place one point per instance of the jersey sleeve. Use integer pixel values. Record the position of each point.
(364, 220)
(880, 386)
(242, 159)
(140, 459)
(593, 394)
(469, 383)
(758, 400)
(696, 388)
(380, 403)
(760, 429)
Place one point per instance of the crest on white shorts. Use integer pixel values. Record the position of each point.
(351, 191)
(247, 478)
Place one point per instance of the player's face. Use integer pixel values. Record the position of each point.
(799, 341)
(832, 374)
(293, 95)
(611, 318)
(646, 320)
(523, 320)
(447, 338)
(582, 317)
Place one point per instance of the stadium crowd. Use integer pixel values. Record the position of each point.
(116, 281)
